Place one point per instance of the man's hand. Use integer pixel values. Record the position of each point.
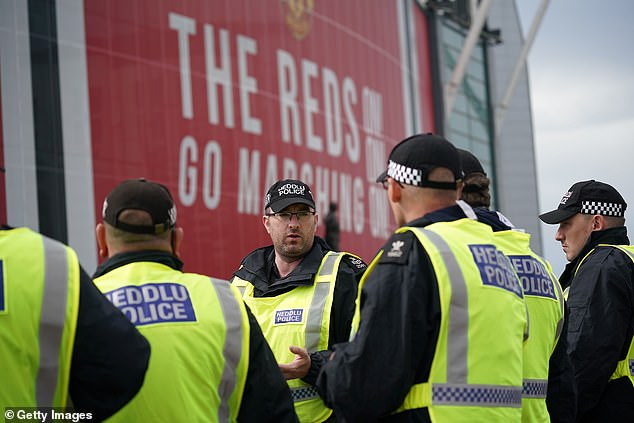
(298, 368)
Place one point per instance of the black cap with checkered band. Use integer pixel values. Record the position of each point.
(412, 159)
(587, 197)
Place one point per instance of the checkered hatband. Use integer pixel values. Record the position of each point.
(604, 209)
(404, 174)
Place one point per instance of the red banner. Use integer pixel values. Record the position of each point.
(218, 100)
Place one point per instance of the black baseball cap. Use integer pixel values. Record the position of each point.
(141, 194)
(412, 159)
(470, 163)
(587, 197)
(286, 192)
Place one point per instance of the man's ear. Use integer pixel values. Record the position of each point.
(598, 223)
(394, 192)
(177, 240)
(265, 222)
(100, 231)
(459, 187)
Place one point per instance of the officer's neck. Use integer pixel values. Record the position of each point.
(285, 265)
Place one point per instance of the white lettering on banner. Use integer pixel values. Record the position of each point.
(249, 201)
(379, 209)
(212, 175)
(188, 173)
(332, 113)
(375, 158)
(185, 27)
(289, 92)
(154, 303)
(217, 74)
(372, 112)
(247, 84)
(495, 268)
(353, 139)
(311, 106)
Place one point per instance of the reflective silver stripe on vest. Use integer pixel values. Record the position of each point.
(486, 395)
(316, 310)
(458, 327)
(457, 391)
(232, 350)
(52, 319)
(534, 388)
(304, 393)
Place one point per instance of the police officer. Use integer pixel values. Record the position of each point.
(599, 280)
(442, 315)
(549, 392)
(302, 293)
(210, 360)
(59, 335)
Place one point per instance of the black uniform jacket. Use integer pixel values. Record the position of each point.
(393, 350)
(601, 302)
(258, 268)
(561, 397)
(272, 404)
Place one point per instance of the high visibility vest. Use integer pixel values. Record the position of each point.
(39, 304)
(476, 372)
(299, 317)
(624, 367)
(198, 331)
(545, 303)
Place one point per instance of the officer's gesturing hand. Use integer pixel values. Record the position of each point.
(298, 368)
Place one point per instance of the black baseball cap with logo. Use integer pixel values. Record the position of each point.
(140, 194)
(286, 192)
(412, 159)
(587, 197)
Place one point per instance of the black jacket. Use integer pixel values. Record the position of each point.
(601, 302)
(258, 268)
(401, 323)
(272, 404)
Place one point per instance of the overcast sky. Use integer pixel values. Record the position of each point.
(581, 75)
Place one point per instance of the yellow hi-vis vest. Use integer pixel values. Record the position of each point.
(39, 304)
(299, 317)
(198, 330)
(545, 303)
(624, 367)
(476, 372)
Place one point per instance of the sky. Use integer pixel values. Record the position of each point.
(581, 77)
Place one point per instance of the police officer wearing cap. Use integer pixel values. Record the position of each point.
(209, 358)
(599, 283)
(60, 339)
(441, 320)
(549, 391)
(302, 293)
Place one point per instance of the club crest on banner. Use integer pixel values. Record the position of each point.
(298, 15)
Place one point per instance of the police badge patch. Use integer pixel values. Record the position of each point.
(396, 249)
